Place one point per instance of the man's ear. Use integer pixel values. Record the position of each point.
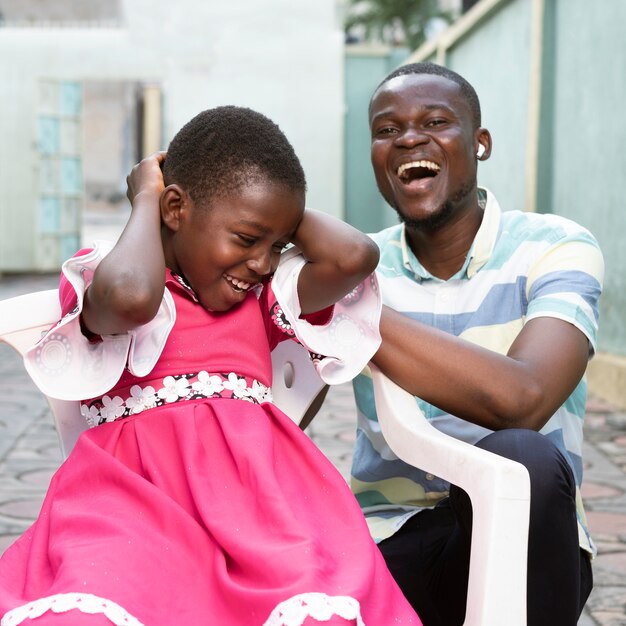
(483, 144)
(172, 204)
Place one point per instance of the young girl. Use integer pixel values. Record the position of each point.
(193, 500)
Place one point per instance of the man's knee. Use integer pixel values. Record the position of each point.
(546, 464)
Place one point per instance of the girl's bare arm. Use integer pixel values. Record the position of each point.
(128, 285)
(339, 258)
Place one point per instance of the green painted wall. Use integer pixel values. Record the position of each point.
(581, 167)
(495, 60)
(589, 141)
(365, 68)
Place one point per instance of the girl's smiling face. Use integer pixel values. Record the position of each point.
(223, 250)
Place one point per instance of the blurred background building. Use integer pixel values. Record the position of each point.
(88, 87)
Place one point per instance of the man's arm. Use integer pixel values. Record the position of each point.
(521, 389)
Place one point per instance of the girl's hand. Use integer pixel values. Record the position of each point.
(146, 177)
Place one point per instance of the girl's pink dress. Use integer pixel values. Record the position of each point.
(194, 501)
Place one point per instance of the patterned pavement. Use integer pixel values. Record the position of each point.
(29, 455)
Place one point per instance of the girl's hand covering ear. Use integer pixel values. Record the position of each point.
(146, 177)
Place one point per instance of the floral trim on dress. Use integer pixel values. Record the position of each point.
(319, 606)
(64, 602)
(316, 357)
(280, 319)
(175, 389)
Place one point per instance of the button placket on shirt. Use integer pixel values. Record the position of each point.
(445, 297)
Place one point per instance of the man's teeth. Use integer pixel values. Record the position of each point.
(238, 284)
(427, 164)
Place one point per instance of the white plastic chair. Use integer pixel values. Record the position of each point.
(297, 388)
(499, 490)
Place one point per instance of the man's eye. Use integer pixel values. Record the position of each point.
(279, 247)
(386, 130)
(434, 123)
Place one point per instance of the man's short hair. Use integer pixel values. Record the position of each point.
(439, 70)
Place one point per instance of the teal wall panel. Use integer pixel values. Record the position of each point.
(495, 60)
(49, 135)
(71, 178)
(58, 221)
(49, 215)
(589, 136)
(580, 167)
(364, 207)
(70, 98)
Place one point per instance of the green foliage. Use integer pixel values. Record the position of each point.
(395, 22)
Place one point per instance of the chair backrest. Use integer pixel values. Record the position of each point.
(298, 391)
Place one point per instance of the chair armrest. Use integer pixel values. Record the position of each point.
(23, 320)
(68, 421)
(499, 490)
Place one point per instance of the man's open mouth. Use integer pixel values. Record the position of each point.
(417, 170)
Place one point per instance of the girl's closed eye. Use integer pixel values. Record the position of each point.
(246, 240)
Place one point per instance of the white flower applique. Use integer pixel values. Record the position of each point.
(141, 399)
(91, 414)
(260, 392)
(174, 389)
(208, 385)
(112, 408)
(237, 385)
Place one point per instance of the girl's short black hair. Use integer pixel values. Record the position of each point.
(221, 150)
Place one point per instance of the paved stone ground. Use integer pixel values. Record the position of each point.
(29, 455)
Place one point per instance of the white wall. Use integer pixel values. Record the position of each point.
(281, 57)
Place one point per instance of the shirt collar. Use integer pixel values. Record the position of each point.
(480, 250)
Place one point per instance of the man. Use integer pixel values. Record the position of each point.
(490, 320)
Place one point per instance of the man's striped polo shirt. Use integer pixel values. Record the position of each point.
(520, 266)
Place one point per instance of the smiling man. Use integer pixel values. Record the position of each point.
(490, 319)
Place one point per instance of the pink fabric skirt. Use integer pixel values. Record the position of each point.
(205, 512)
